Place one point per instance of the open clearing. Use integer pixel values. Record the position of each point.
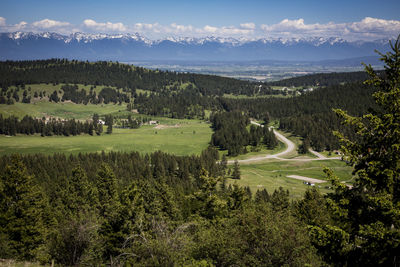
(191, 137)
(272, 174)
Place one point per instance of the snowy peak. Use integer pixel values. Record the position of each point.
(123, 47)
(90, 37)
(28, 35)
(78, 36)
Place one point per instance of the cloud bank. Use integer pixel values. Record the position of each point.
(366, 29)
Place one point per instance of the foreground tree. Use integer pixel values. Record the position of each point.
(21, 213)
(366, 228)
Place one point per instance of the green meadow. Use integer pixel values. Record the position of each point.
(180, 137)
(273, 174)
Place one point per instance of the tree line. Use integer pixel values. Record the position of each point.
(29, 125)
(323, 79)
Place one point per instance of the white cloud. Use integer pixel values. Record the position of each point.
(48, 23)
(4, 27)
(248, 25)
(181, 28)
(2, 21)
(366, 29)
(106, 27)
(210, 29)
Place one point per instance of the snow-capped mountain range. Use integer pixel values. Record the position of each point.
(128, 47)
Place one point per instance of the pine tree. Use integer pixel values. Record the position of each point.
(305, 146)
(236, 170)
(109, 209)
(206, 202)
(366, 231)
(99, 129)
(109, 122)
(21, 213)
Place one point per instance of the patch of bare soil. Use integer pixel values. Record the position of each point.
(163, 126)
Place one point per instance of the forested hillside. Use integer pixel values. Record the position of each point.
(310, 115)
(184, 95)
(118, 75)
(323, 79)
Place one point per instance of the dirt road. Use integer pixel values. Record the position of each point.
(290, 147)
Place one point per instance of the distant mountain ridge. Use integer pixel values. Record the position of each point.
(125, 47)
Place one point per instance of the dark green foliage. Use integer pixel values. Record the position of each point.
(29, 125)
(71, 93)
(310, 115)
(188, 104)
(279, 199)
(323, 79)
(118, 75)
(109, 120)
(22, 205)
(365, 227)
(110, 95)
(305, 146)
(312, 208)
(54, 97)
(269, 138)
(160, 209)
(236, 170)
(230, 132)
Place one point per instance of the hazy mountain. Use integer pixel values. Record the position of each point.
(129, 47)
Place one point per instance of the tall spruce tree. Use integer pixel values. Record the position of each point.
(236, 170)
(366, 228)
(21, 213)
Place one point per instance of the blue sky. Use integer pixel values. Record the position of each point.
(246, 19)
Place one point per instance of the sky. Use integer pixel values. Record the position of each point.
(249, 19)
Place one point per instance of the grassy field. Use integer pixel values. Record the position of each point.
(271, 175)
(180, 137)
(59, 110)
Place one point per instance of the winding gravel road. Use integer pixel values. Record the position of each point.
(290, 147)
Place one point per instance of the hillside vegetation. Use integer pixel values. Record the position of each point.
(159, 209)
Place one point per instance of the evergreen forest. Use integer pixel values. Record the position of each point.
(159, 209)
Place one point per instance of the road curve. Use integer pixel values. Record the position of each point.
(290, 147)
